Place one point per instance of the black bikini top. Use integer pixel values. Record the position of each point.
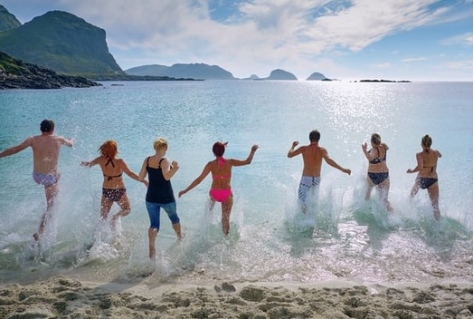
(378, 160)
(109, 177)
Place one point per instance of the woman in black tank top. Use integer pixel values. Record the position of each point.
(160, 192)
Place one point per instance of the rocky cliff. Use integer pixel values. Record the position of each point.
(62, 42)
(16, 74)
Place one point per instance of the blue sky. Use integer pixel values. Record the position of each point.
(417, 40)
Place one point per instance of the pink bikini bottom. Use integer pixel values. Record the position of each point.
(220, 195)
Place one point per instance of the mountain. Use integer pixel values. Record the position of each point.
(63, 42)
(7, 20)
(16, 74)
(279, 74)
(148, 70)
(181, 70)
(316, 76)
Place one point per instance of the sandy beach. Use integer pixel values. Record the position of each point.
(65, 297)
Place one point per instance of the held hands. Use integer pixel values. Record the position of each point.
(254, 148)
(347, 171)
(181, 193)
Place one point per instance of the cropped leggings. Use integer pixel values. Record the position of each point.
(154, 213)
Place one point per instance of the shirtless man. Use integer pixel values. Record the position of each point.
(427, 178)
(46, 149)
(313, 156)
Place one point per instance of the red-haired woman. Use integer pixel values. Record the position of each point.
(113, 187)
(221, 170)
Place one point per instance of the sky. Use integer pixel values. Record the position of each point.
(414, 40)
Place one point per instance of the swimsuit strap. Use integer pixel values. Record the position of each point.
(159, 163)
(110, 161)
(109, 178)
(385, 157)
(147, 161)
(220, 161)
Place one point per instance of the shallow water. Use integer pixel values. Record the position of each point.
(343, 237)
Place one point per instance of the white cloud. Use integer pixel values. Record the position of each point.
(460, 65)
(385, 65)
(414, 59)
(463, 39)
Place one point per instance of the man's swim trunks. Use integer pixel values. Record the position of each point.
(45, 179)
(306, 183)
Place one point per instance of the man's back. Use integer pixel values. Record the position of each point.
(46, 153)
(312, 159)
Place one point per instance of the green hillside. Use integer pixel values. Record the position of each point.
(7, 20)
(62, 42)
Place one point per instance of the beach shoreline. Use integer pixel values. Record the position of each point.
(66, 297)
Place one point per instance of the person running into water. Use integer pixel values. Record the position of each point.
(313, 156)
(377, 172)
(160, 192)
(427, 178)
(46, 148)
(113, 187)
(221, 171)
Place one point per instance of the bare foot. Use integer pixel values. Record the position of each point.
(36, 236)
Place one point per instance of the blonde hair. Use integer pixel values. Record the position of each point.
(376, 139)
(160, 143)
(108, 149)
(426, 141)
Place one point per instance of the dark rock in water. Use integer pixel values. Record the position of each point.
(16, 74)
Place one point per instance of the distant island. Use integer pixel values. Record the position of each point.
(278, 75)
(180, 70)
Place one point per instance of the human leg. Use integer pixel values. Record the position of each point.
(105, 206)
(125, 209)
(226, 210)
(153, 210)
(433, 193)
(170, 209)
(51, 192)
(415, 188)
(384, 189)
(370, 186)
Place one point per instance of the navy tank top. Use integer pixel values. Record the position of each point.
(159, 189)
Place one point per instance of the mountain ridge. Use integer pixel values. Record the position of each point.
(63, 42)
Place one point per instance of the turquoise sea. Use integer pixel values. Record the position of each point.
(344, 237)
